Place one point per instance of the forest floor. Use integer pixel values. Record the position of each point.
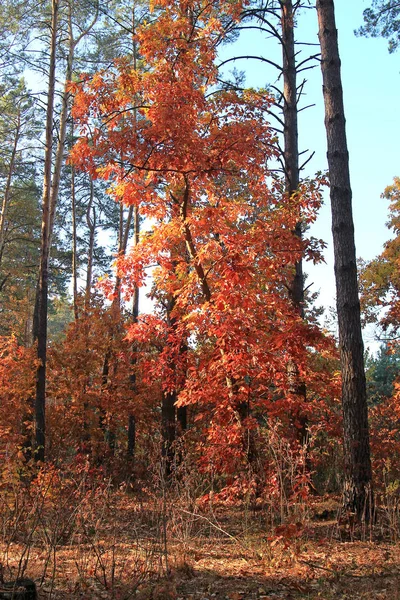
(159, 551)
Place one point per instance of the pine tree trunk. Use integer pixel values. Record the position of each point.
(41, 326)
(135, 316)
(358, 475)
(62, 132)
(73, 42)
(292, 177)
(135, 309)
(123, 236)
(291, 144)
(168, 430)
(74, 245)
(291, 150)
(91, 223)
(131, 436)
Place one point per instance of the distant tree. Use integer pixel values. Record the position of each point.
(381, 372)
(380, 277)
(382, 19)
(16, 20)
(19, 208)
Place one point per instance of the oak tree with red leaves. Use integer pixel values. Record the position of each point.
(221, 241)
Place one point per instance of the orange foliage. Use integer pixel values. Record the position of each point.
(196, 159)
(379, 278)
(17, 381)
(385, 438)
(86, 409)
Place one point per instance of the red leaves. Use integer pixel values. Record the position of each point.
(17, 381)
(221, 249)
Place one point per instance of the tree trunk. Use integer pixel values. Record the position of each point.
(74, 245)
(51, 186)
(91, 223)
(136, 236)
(292, 178)
(60, 151)
(181, 415)
(168, 430)
(290, 131)
(123, 236)
(41, 326)
(291, 150)
(358, 475)
(65, 109)
(131, 436)
(135, 316)
(55, 177)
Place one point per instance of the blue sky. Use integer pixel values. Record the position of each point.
(371, 85)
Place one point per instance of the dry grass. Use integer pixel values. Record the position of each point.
(159, 550)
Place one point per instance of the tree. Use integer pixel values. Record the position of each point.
(382, 19)
(223, 245)
(382, 370)
(278, 20)
(19, 216)
(40, 327)
(84, 411)
(70, 25)
(16, 20)
(17, 381)
(379, 278)
(131, 446)
(51, 185)
(357, 477)
(292, 180)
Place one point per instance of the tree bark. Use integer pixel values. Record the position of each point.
(131, 449)
(60, 151)
(173, 419)
(123, 236)
(168, 430)
(51, 184)
(290, 133)
(358, 474)
(40, 330)
(131, 436)
(135, 316)
(74, 245)
(91, 223)
(292, 179)
(168, 405)
(291, 146)
(65, 109)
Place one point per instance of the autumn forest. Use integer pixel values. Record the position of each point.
(177, 419)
